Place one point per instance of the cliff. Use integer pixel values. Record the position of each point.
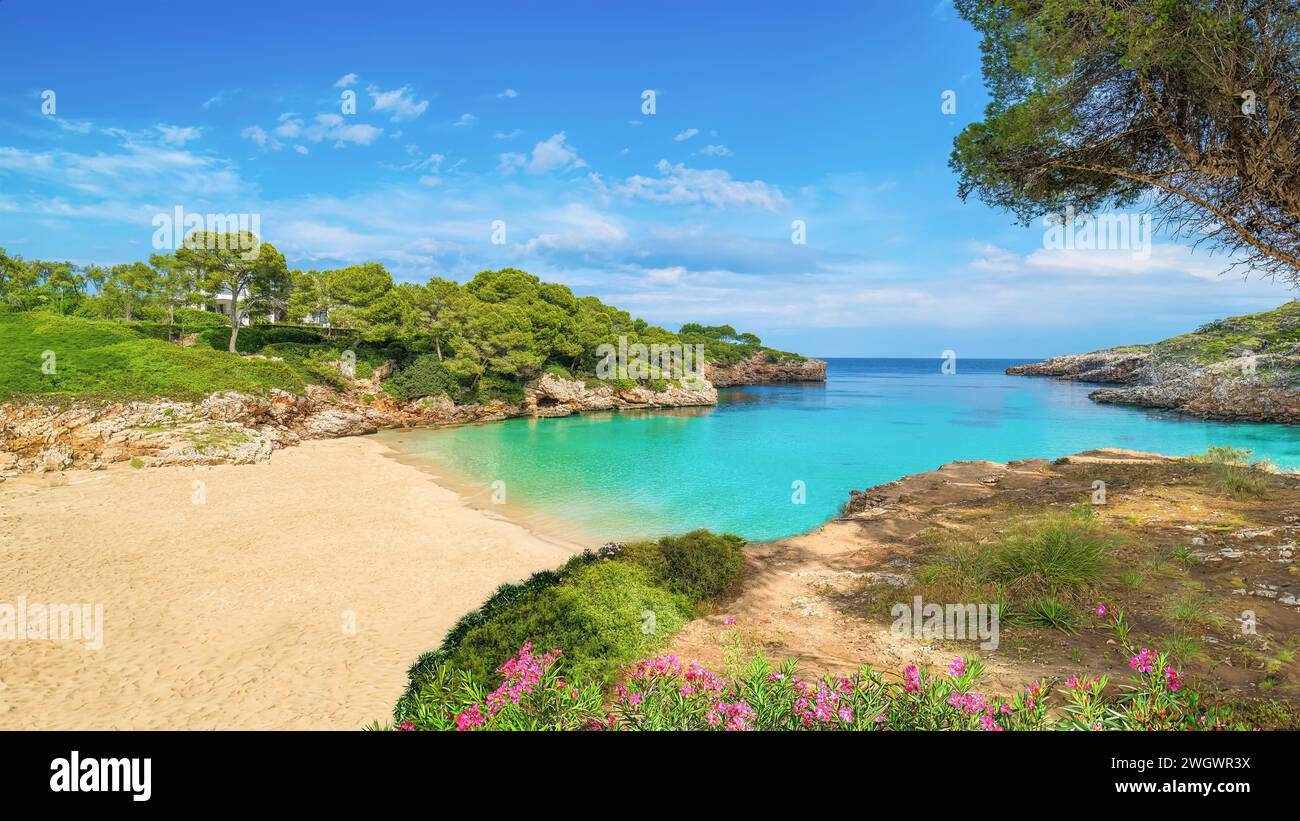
(1242, 368)
(758, 370)
(231, 427)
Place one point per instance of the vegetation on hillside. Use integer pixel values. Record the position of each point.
(476, 341)
(605, 607)
(1264, 333)
(544, 692)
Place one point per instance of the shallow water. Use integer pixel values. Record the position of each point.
(735, 467)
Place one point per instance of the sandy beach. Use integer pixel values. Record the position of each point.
(289, 594)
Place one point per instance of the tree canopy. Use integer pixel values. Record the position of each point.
(479, 340)
(1192, 105)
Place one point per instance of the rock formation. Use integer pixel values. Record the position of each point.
(240, 428)
(1243, 368)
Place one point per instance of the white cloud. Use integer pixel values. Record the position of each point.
(346, 80)
(665, 276)
(510, 162)
(77, 127)
(302, 149)
(683, 186)
(576, 227)
(553, 153)
(399, 103)
(715, 151)
(327, 126)
(509, 93)
(465, 119)
(508, 135)
(686, 135)
(255, 133)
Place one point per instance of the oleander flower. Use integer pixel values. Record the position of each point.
(1174, 679)
(1143, 661)
(911, 679)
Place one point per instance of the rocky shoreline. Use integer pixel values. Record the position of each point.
(1248, 388)
(41, 436)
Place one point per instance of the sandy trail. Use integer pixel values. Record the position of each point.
(294, 596)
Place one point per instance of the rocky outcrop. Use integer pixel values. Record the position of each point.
(552, 396)
(1114, 366)
(1252, 387)
(240, 428)
(758, 370)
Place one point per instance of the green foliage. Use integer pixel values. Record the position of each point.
(476, 342)
(699, 565)
(109, 360)
(1232, 473)
(1106, 104)
(598, 614)
(426, 376)
(193, 319)
(1050, 612)
(604, 608)
(1062, 551)
(663, 694)
(1037, 573)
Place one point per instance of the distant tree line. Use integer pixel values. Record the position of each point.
(487, 336)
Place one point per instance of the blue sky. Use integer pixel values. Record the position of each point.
(531, 114)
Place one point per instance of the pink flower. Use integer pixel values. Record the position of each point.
(729, 620)
(1101, 610)
(1174, 679)
(957, 667)
(1142, 662)
(911, 679)
(406, 726)
(470, 718)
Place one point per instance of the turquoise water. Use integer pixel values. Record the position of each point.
(621, 475)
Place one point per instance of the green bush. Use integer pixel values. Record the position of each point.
(1232, 473)
(494, 386)
(1058, 551)
(426, 376)
(192, 319)
(605, 614)
(698, 565)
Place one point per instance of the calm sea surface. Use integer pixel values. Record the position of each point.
(739, 466)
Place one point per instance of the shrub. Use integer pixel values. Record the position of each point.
(663, 694)
(190, 319)
(532, 696)
(605, 607)
(604, 615)
(1232, 473)
(699, 565)
(425, 376)
(1064, 551)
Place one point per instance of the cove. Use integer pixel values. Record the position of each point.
(737, 466)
